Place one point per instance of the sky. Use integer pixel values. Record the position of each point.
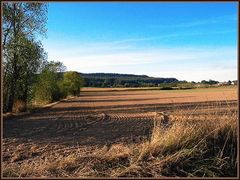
(189, 41)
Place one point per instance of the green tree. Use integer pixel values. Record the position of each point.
(55, 66)
(204, 82)
(22, 54)
(32, 57)
(72, 83)
(47, 88)
(211, 82)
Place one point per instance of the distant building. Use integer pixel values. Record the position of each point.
(235, 82)
(223, 84)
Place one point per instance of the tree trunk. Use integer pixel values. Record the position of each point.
(14, 74)
(13, 84)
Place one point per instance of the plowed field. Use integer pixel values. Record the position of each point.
(97, 118)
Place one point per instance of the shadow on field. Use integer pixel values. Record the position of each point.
(132, 108)
(123, 100)
(71, 125)
(72, 130)
(104, 94)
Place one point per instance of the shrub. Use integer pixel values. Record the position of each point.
(71, 84)
(46, 90)
(19, 106)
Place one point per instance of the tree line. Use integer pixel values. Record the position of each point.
(123, 80)
(27, 74)
(130, 80)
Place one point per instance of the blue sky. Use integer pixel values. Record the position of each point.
(189, 41)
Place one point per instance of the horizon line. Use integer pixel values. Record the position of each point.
(149, 76)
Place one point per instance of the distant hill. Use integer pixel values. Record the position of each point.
(122, 80)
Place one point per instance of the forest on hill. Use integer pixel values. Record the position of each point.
(122, 80)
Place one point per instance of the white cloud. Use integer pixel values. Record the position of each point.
(189, 63)
(200, 74)
(214, 20)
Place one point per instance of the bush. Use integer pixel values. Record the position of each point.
(46, 90)
(71, 84)
(19, 106)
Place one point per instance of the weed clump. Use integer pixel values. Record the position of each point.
(203, 149)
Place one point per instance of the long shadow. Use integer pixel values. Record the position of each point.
(132, 108)
(120, 100)
(127, 108)
(63, 125)
(107, 94)
(115, 90)
(71, 132)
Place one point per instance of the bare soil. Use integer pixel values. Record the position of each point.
(97, 119)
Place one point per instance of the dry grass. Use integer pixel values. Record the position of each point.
(190, 146)
(19, 106)
(195, 147)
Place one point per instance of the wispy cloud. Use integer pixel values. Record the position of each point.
(124, 43)
(181, 62)
(215, 20)
(128, 41)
